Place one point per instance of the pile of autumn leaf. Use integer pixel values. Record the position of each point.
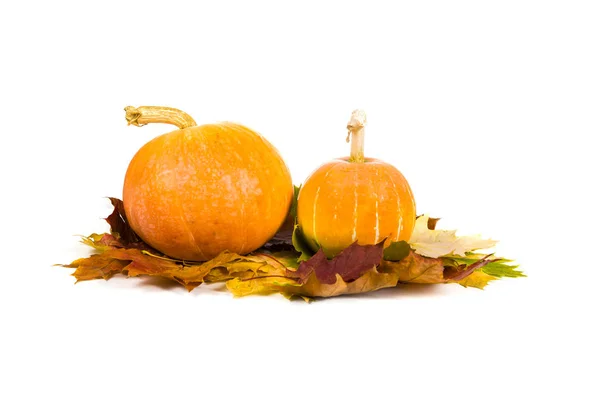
(285, 264)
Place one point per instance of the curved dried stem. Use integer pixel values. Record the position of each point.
(140, 116)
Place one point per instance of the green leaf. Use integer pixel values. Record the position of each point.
(501, 269)
(396, 251)
(467, 259)
(301, 245)
(294, 206)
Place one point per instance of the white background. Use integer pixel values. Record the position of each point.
(489, 108)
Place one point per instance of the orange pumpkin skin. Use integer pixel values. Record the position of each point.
(343, 202)
(195, 192)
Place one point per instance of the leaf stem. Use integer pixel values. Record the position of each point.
(140, 116)
(356, 129)
(176, 260)
(268, 276)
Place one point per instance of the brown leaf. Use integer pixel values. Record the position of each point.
(431, 222)
(189, 276)
(98, 266)
(416, 269)
(274, 268)
(135, 262)
(123, 251)
(352, 271)
(419, 269)
(116, 259)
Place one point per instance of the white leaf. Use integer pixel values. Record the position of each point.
(438, 243)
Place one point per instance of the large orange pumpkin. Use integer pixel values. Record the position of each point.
(355, 199)
(199, 190)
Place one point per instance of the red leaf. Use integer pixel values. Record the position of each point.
(122, 231)
(350, 264)
(119, 225)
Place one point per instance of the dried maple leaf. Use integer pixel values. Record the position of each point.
(276, 268)
(351, 271)
(135, 262)
(189, 276)
(419, 269)
(370, 281)
(416, 269)
(355, 270)
(97, 266)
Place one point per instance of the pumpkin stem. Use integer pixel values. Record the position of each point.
(143, 115)
(356, 128)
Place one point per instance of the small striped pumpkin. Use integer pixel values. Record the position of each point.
(355, 199)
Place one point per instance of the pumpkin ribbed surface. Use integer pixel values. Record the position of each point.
(343, 202)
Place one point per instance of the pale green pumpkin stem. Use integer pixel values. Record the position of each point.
(140, 116)
(356, 129)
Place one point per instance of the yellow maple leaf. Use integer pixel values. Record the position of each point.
(478, 279)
